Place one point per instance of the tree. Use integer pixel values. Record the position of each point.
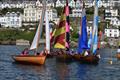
(59, 10)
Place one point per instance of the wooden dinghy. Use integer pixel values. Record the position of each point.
(88, 48)
(36, 59)
(30, 59)
(77, 56)
(64, 57)
(90, 59)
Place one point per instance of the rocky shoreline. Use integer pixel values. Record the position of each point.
(8, 42)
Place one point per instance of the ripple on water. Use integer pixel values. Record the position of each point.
(53, 70)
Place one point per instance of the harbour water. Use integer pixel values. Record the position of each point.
(53, 70)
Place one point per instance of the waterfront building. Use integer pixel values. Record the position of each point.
(76, 12)
(11, 19)
(32, 13)
(14, 4)
(115, 22)
(110, 13)
(112, 16)
(59, 4)
(112, 32)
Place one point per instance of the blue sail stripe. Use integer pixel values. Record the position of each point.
(90, 40)
(95, 44)
(95, 34)
(83, 41)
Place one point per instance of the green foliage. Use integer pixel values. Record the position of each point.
(59, 10)
(90, 10)
(13, 34)
(106, 39)
(74, 25)
(101, 26)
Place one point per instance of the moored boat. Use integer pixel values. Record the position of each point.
(37, 58)
(30, 59)
(62, 36)
(64, 58)
(87, 50)
(90, 59)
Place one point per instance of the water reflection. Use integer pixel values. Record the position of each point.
(62, 69)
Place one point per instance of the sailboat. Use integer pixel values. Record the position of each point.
(61, 36)
(88, 54)
(36, 59)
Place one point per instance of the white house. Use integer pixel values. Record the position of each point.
(2, 20)
(33, 13)
(30, 13)
(59, 4)
(115, 21)
(76, 12)
(112, 32)
(11, 20)
(111, 13)
(11, 5)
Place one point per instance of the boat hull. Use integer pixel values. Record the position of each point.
(90, 59)
(30, 59)
(64, 57)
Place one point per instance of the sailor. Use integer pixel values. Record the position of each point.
(25, 51)
(86, 53)
(118, 50)
(98, 55)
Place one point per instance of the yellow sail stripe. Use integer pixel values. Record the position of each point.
(59, 31)
(57, 45)
(62, 18)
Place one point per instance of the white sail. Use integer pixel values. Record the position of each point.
(39, 29)
(36, 39)
(47, 32)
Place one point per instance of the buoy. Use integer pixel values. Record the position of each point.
(110, 61)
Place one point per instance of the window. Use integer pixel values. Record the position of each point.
(110, 34)
(115, 35)
(33, 14)
(25, 14)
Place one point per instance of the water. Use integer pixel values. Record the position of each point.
(53, 70)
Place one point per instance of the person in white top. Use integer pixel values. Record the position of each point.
(118, 50)
(86, 53)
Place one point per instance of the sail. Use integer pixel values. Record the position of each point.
(83, 40)
(47, 32)
(59, 35)
(95, 29)
(67, 25)
(90, 40)
(36, 39)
